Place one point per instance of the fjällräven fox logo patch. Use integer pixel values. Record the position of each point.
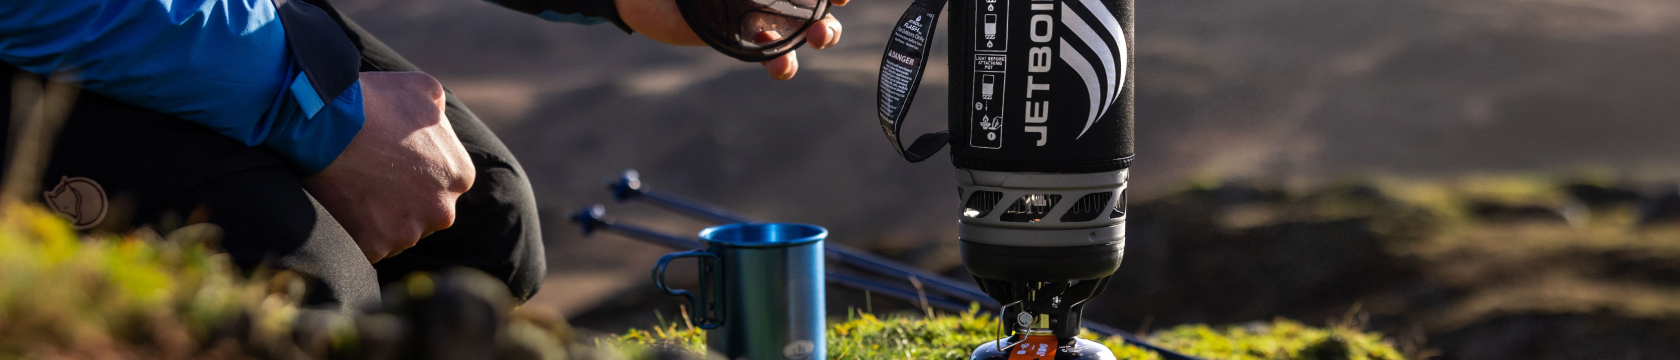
(80, 199)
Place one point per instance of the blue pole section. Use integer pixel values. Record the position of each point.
(595, 218)
(630, 187)
(884, 267)
(1106, 330)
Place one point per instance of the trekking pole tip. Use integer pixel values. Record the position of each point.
(590, 218)
(628, 186)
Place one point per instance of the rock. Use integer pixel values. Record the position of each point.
(456, 314)
(381, 337)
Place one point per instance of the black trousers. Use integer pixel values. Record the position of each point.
(164, 172)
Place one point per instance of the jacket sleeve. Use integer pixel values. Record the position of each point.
(587, 12)
(263, 74)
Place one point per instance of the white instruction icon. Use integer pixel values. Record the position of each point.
(993, 32)
(986, 115)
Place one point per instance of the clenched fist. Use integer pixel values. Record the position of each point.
(398, 179)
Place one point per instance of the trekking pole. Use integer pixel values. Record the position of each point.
(595, 218)
(1130, 338)
(895, 292)
(630, 187)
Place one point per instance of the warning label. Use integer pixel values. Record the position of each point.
(986, 116)
(901, 66)
(991, 63)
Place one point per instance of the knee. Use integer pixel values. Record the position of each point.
(527, 261)
(527, 277)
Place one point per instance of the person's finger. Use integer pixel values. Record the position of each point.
(838, 2)
(783, 68)
(780, 68)
(767, 37)
(824, 34)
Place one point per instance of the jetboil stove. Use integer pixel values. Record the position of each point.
(1040, 129)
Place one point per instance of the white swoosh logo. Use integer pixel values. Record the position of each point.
(1089, 37)
(1087, 75)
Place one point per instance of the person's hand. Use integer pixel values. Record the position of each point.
(661, 21)
(398, 180)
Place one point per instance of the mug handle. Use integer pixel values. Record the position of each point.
(696, 307)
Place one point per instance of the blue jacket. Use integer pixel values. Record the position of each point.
(273, 73)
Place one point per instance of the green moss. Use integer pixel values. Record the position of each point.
(682, 337)
(1280, 339)
(954, 336)
(913, 336)
(144, 296)
(61, 294)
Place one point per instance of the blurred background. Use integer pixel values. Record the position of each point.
(1474, 178)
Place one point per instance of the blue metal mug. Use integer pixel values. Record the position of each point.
(761, 290)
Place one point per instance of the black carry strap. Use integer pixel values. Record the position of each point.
(902, 66)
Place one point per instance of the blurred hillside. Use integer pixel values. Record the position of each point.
(1293, 91)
